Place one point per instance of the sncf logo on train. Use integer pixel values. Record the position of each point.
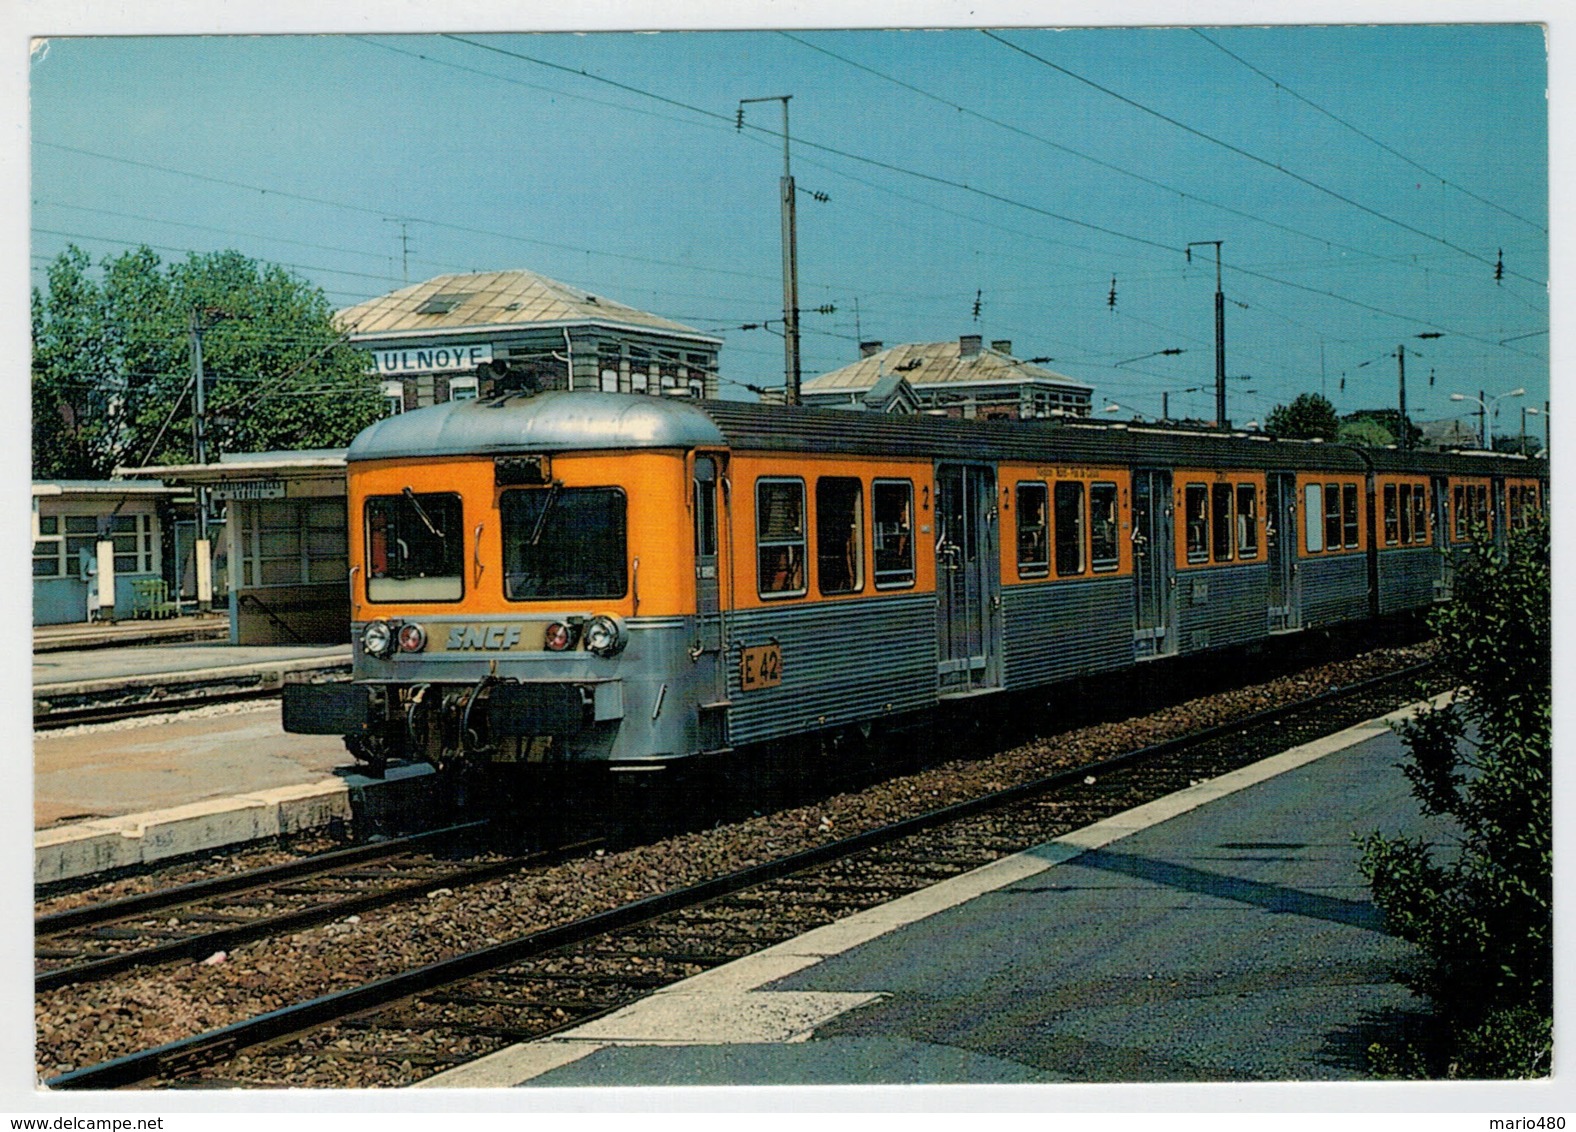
(493, 638)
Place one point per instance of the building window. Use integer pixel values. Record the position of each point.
(839, 549)
(1104, 527)
(779, 537)
(135, 552)
(893, 504)
(462, 389)
(1195, 504)
(1034, 552)
(393, 398)
(1069, 528)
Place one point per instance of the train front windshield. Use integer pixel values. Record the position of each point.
(564, 543)
(414, 547)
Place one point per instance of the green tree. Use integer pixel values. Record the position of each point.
(1308, 417)
(1365, 426)
(112, 363)
(1482, 916)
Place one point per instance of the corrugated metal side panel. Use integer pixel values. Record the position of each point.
(1407, 578)
(1334, 589)
(1222, 606)
(1054, 631)
(842, 661)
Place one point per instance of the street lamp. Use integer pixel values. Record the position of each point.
(1485, 426)
(1536, 412)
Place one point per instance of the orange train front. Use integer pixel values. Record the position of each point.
(626, 580)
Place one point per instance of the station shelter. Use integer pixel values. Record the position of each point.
(104, 549)
(275, 531)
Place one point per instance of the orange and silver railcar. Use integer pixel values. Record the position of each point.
(626, 580)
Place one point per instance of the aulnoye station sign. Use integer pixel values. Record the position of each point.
(431, 359)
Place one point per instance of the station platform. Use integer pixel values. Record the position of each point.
(1222, 934)
(110, 796)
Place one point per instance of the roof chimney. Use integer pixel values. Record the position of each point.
(1002, 345)
(969, 345)
(869, 349)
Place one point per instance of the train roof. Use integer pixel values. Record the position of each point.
(585, 421)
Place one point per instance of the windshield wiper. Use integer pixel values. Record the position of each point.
(547, 506)
(421, 513)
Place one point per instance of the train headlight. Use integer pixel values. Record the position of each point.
(606, 636)
(411, 637)
(378, 639)
(559, 637)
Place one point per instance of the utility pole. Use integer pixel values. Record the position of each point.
(199, 417)
(1400, 357)
(1483, 419)
(1220, 336)
(790, 261)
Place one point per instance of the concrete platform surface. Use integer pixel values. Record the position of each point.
(1220, 934)
(75, 671)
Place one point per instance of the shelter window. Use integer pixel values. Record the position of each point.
(1069, 528)
(839, 547)
(780, 537)
(1034, 547)
(414, 550)
(1196, 515)
(1220, 521)
(1247, 520)
(49, 549)
(893, 504)
(1104, 527)
(133, 539)
(563, 542)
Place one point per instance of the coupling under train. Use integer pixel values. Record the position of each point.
(573, 578)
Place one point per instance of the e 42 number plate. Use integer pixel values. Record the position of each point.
(761, 667)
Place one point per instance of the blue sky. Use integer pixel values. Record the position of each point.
(1026, 170)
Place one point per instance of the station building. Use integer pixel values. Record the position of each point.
(963, 378)
(459, 336)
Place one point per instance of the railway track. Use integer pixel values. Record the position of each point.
(207, 917)
(400, 1028)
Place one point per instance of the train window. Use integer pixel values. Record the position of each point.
(415, 545)
(1104, 527)
(1313, 516)
(1069, 528)
(1247, 520)
(705, 507)
(1332, 516)
(893, 504)
(839, 547)
(1034, 547)
(563, 542)
(1220, 521)
(779, 537)
(1420, 513)
(1392, 520)
(1349, 526)
(1196, 511)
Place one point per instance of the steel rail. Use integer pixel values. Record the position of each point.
(86, 916)
(193, 1052)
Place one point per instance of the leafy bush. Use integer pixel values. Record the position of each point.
(1482, 918)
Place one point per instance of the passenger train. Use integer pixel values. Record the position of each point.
(573, 578)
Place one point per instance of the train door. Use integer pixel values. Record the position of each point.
(1280, 537)
(968, 579)
(1442, 537)
(708, 586)
(1154, 568)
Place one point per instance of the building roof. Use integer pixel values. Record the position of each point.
(492, 301)
(100, 487)
(925, 364)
